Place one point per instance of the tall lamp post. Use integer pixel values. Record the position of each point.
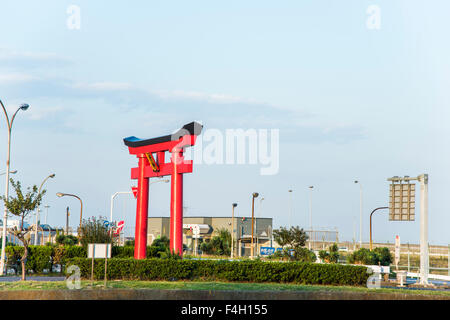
(46, 213)
(310, 216)
(37, 211)
(256, 224)
(129, 192)
(360, 213)
(255, 195)
(60, 194)
(234, 205)
(5, 214)
(290, 208)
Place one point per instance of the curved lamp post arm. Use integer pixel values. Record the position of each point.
(13, 117)
(81, 202)
(371, 223)
(6, 115)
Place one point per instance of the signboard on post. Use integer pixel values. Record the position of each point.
(402, 201)
(99, 250)
(266, 251)
(401, 205)
(397, 250)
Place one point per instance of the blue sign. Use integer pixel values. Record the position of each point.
(266, 251)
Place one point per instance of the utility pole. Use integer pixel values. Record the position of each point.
(310, 217)
(234, 205)
(290, 207)
(255, 195)
(67, 221)
(424, 259)
(360, 212)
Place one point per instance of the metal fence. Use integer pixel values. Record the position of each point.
(321, 239)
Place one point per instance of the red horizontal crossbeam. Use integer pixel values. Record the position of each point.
(165, 169)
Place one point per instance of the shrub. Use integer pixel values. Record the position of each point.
(380, 256)
(304, 255)
(67, 240)
(39, 258)
(94, 231)
(332, 256)
(224, 270)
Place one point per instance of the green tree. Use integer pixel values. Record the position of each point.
(292, 239)
(94, 231)
(21, 206)
(220, 244)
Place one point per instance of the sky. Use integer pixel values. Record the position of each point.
(350, 101)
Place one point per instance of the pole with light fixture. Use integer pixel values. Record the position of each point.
(290, 208)
(129, 192)
(254, 195)
(37, 211)
(256, 224)
(23, 107)
(234, 205)
(310, 217)
(360, 212)
(60, 194)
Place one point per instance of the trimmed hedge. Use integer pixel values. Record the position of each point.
(217, 270)
(44, 257)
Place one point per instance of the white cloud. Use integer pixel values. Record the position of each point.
(38, 113)
(209, 97)
(9, 78)
(104, 86)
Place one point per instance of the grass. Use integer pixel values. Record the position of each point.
(210, 286)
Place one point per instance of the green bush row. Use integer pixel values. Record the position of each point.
(44, 257)
(223, 270)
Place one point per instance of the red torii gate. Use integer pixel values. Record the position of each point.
(151, 155)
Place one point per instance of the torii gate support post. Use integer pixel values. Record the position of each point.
(140, 233)
(176, 210)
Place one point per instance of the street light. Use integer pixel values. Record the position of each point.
(37, 212)
(370, 244)
(255, 195)
(360, 213)
(46, 213)
(129, 192)
(60, 194)
(310, 216)
(256, 224)
(234, 205)
(5, 214)
(290, 208)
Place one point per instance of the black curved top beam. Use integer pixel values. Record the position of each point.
(193, 128)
